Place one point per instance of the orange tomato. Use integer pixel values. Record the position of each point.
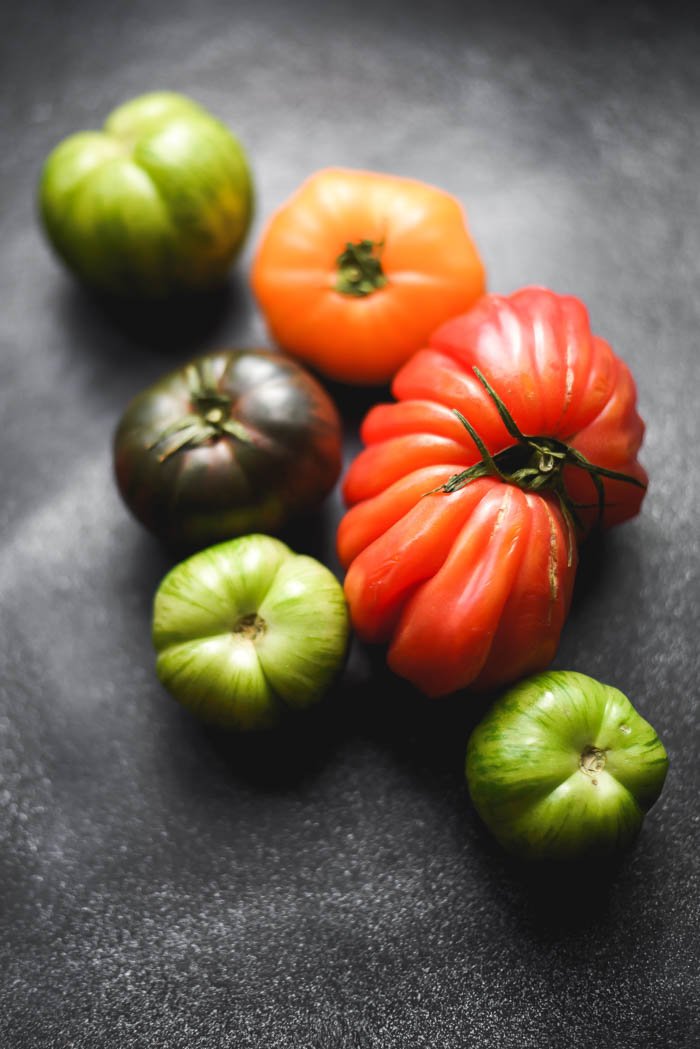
(357, 269)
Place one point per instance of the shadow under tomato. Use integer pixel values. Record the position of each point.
(548, 901)
(283, 757)
(426, 736)
(429, 738)
(178, 327)
(353, 402)
(432, 732)
(594, 562)
(313, 534)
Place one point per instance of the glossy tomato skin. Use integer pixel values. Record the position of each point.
(557, 378)
(280, 456)
(563, 767)
(471, 587)
(429, 270)
(158, 201)
(247, 631)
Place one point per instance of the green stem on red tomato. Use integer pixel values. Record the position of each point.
(534, 463)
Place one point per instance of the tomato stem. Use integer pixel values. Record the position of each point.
(209, 420)
(360, 270)
(592, 761)
(534, 463)
(250, 627)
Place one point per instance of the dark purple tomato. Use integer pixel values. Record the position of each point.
(234, 442)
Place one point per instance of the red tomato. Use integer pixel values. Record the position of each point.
(471, 583)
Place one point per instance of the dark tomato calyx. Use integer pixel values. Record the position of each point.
(208, 420)
(534, 463)
(360, 270)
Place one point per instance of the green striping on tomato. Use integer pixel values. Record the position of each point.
(563, 766)
(158, 201)
(247, 630)
(236, 441)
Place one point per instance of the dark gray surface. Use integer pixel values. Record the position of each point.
(162, 887)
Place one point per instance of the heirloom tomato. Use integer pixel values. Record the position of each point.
(357, 268)
(247, 630)
(236, 441)
(158, 201)
(514, 429)
(563, 766)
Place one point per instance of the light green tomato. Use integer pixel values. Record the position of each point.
(563, 766)
(247, 629)
(157, 202)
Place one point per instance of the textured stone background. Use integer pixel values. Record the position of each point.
(162, 887)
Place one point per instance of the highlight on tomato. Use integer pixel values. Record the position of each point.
(515, 431)
(357, 268)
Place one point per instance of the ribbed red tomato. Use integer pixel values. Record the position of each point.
(515, 429)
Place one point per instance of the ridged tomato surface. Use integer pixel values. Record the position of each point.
(471, 586)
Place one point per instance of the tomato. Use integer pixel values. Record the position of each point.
(470, 588)
(356, 270)
(158, 201)
(563, 766)
(514, 429)
(247, 630)
(558, 380)
(234, 442)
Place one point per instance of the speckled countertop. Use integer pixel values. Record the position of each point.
(164, 888)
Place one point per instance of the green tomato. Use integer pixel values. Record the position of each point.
(159, 201)
(247, 629)
(563, 766)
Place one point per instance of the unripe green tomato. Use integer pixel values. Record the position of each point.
(563, 766)
(158, 201)
(247, 630)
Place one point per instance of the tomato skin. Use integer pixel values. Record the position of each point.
(432, 270)
(557, 378)
(470, 588)
(286, 460)
(159, 201)
(563, 767)
(247, 630)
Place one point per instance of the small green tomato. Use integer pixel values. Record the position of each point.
(247, 629)
(563, 766)
(158, 201)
